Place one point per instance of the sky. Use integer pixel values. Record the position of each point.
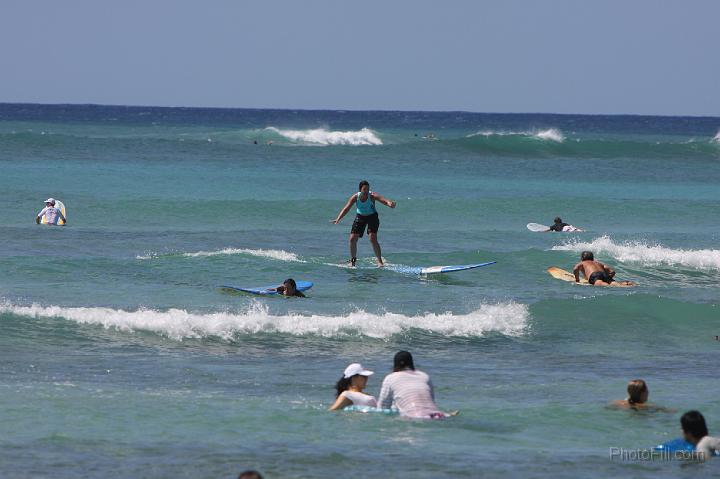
(555, 56)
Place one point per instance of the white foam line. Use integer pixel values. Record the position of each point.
(647, 254)
(550, 134)
(280, 255)
(321, 136)
(506, 318)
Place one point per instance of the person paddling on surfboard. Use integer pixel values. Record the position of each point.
(366, 215)
(597, 273)
(289, 288)
(560, 227)
(52, 214)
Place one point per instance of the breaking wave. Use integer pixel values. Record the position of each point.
(321, 136)
(510, 319)
(280, 255)
(647, 254)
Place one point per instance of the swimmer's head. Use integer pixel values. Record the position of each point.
(587, 256)
(403, 360)
(637, 391)
(558, 220)
(693, 426)
(362, 184)
(290, 286)
(354, 375)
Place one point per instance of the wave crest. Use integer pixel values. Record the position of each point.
(550, 134)
(510, 319)
(280, 255)
(647, 254)
(321, 136)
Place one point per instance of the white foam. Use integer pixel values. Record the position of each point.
(647, 254)
(716, 138)
(550, 134)
(280, 255)
(321, 136)
(506, 318)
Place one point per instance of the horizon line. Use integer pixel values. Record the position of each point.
(352, 110)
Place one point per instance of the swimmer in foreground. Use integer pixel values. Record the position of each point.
(366, 215)
(289, 288)
(695, 432)
(410, 391)
(637, 399)
(350, 388)
(52, 214)
(597, 273)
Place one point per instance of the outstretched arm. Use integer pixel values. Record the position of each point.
(345, 209)
(576, 271)
(62, 217)
(383, 200)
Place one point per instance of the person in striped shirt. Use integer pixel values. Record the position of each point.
(409, 390)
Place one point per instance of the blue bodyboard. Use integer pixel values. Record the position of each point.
(268, 290)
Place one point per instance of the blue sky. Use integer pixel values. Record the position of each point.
(563, 56)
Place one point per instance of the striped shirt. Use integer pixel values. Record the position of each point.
(411, 392)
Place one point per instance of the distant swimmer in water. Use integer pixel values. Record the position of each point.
(410, 391)
(560, 227)
(52, 214)
(638, 395)
(597, 273)
(366, 216)
(350, 388)
(289, 288)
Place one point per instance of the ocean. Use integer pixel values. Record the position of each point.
(122, 358)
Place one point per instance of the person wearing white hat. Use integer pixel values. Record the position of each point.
(350, 388)
(52, 214)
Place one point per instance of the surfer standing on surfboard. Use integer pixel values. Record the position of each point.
(366, 215)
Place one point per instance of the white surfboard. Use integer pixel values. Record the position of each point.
(537, 227)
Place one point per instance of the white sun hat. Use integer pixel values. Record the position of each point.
(355, 369)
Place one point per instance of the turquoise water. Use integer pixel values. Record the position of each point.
(122, 358)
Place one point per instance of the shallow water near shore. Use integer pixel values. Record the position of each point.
(121, 357)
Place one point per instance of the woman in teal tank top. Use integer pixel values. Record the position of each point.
(364, 201)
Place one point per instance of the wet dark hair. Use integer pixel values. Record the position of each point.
(558, 219)
(635, 389)
(291, 282)
(587, 256)
(403, 360)
(693, 423)
(363, 183)
(342, 385)
(250, 475)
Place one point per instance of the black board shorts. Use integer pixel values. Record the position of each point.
(599, 275)
(371, 221)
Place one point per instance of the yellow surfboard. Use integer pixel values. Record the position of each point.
(561, 274)
(61, 206)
